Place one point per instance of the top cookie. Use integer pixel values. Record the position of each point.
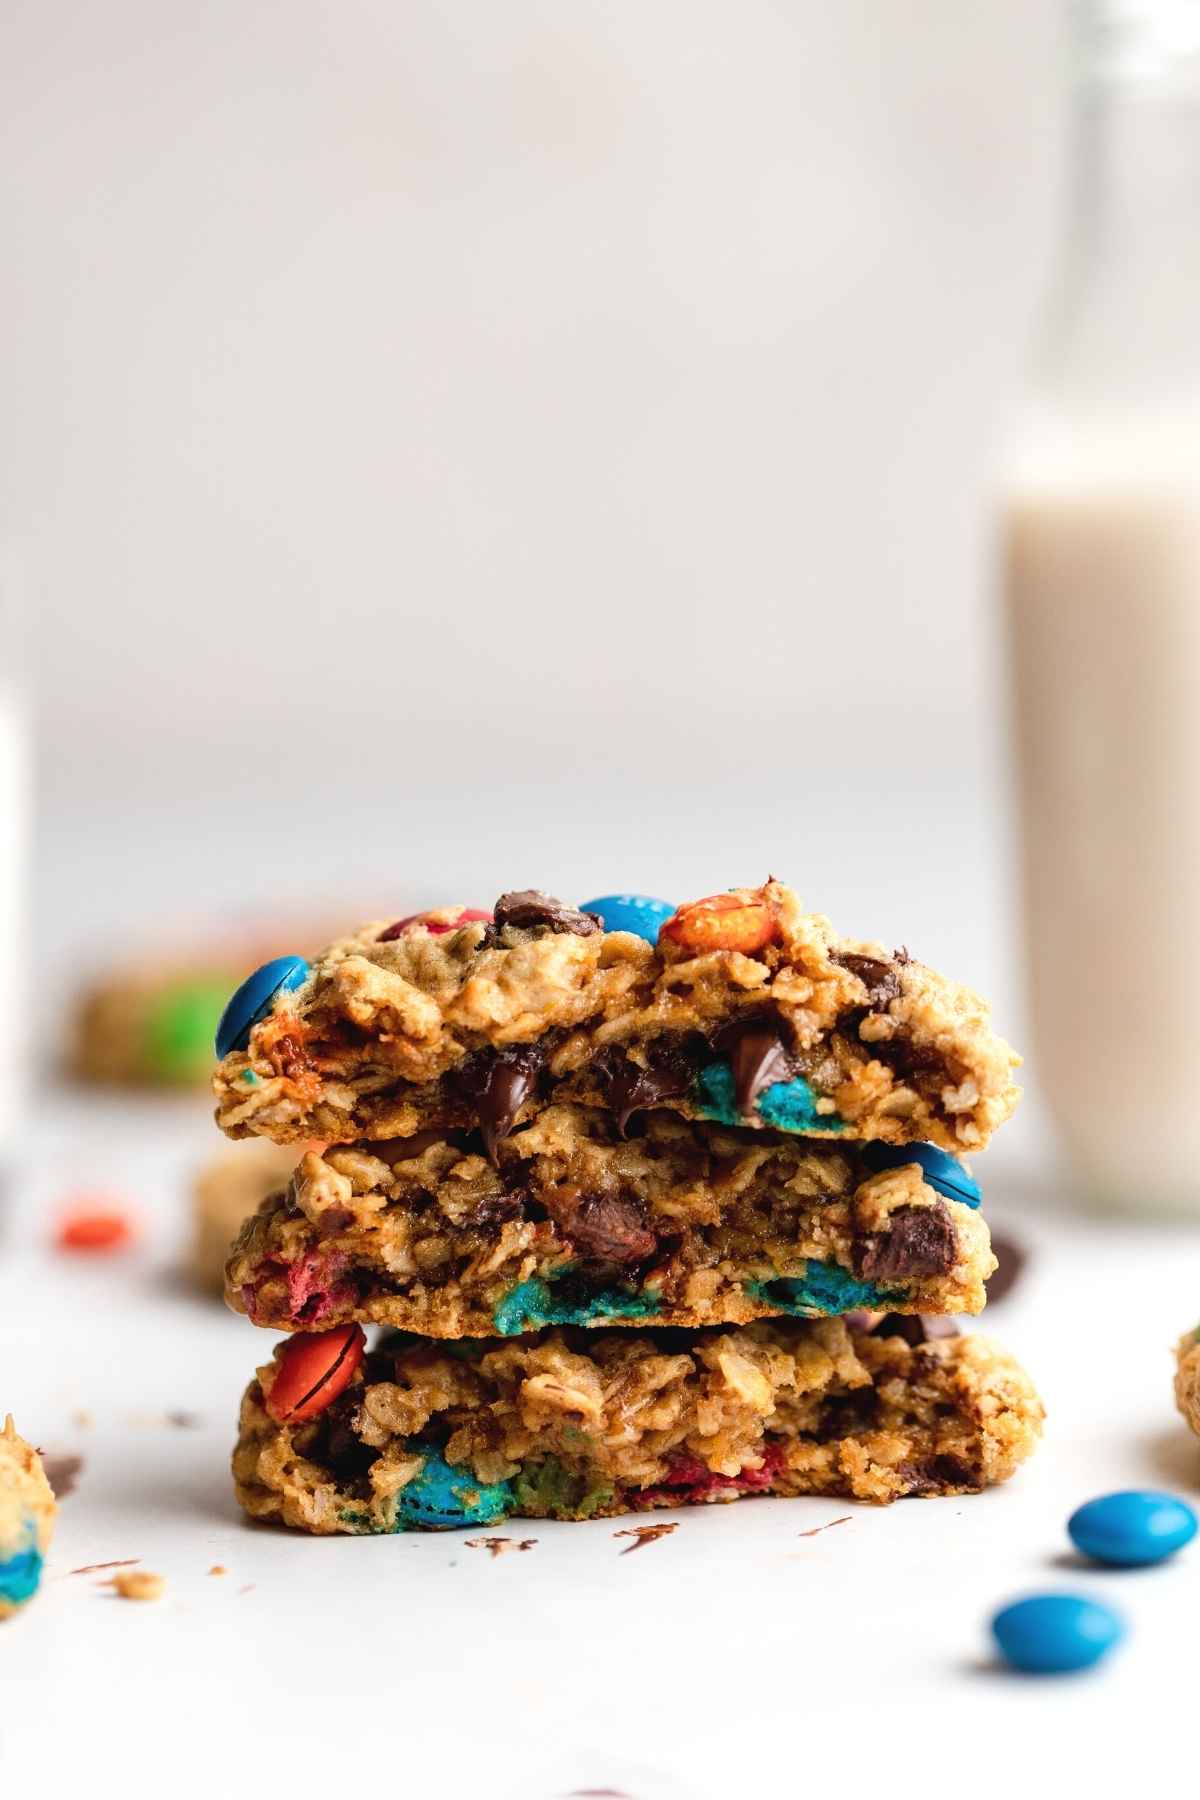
(748, 1011)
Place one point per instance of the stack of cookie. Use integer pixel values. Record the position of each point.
(655, 1206)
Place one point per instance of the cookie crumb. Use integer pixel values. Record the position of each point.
(498, 1545)
(218, 1569)
(138, 1584)
(644, 1534)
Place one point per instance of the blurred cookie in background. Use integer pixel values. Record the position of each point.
(152, 1025)
(150, 1022)
(226, 1191)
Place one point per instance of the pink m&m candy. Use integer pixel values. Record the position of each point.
(436, 921)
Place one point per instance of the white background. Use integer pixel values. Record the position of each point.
(462, 446)
(458, 446)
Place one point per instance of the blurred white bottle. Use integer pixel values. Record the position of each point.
(1102, 582)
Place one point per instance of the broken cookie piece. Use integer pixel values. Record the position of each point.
(27, 1511)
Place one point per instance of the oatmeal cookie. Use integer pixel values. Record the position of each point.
(226, 1191)
(571, 1425)
(748, 1011)
(26, 1519)
(681, 1223)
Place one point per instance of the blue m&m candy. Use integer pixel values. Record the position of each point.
(1054, 1634)
(1130, 1530)
(941, 1170)
(631, 912)
(252, 1000)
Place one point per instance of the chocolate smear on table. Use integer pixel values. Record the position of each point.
(1011, 1258)
(917, 1328)
(122, 1562)
(758, 1056)
(829, 1524)
(608, 1227)
(500, 1545)
(530, 909)
(62, 1472)
(920, 1240)
(644, 1534)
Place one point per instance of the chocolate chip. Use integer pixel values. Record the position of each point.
(343, 1450)
(500, 1207)
(498, 1087)
(288, 1057)
(333, 1220)
(1011, 1258)
(757, 1056)
(920, 1240)
(609, 1227)
(934, 1474)
(631, 1088)
(881, 979)
(916, 1328)
(530, 909)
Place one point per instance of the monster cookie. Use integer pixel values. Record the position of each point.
(26, 1519)
(573, 1425)
(225, 1192)
(747, 1011)
(679, 1223)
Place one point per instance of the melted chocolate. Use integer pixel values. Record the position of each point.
(757, 1056)
(632, 1088)
(506, 1087)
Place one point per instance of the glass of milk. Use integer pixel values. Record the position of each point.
(1102, 591)
(14, 834)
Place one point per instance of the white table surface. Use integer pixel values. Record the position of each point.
(734, 1656)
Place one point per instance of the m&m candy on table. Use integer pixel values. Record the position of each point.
(1056, 1634)
(637, 913)
(249, 1003)
(1133, 1529)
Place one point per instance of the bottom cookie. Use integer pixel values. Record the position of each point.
(572, 1424)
